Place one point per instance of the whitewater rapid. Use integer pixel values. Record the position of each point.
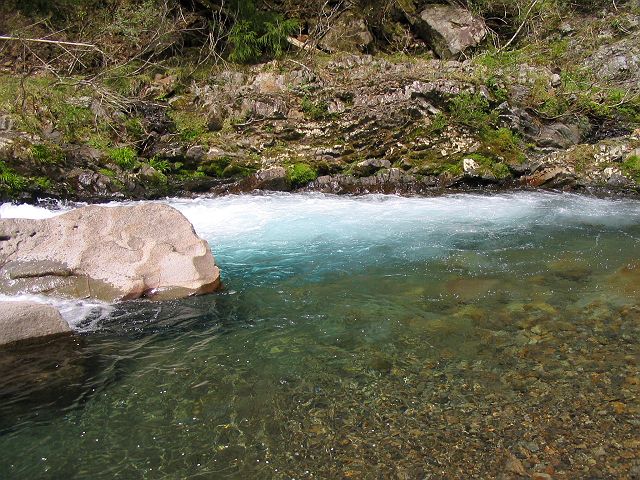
(336, 232)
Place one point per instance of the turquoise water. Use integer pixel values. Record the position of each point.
(364, 337)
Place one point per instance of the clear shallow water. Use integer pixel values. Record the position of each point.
(357, 337)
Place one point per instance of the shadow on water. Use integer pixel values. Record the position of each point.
(44, 379)
(51, 377)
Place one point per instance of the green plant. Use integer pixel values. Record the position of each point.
(216, 167)
(439, 124)
(631, 167)
(189, 125)
(317, 110)
(453, 169)
(191, 174)
(125, 157)
(498, 91)
(256, 33)
(502, 144)
(161, 165)
(490, 165)
(99, 141)
(11, 182)
(300, 174)
(43, 183)
(134, 127)
(72, 120)
(107, 173)
(471, 110)
(46, 154)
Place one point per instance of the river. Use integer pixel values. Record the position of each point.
(463, 336)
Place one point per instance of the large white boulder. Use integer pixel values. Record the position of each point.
(108, 253)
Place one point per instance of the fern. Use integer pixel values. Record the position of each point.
(274, 40)
(257, 33)
(246, 47)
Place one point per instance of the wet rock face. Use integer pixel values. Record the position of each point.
(21, 321)
(449, 30)
(147, 250)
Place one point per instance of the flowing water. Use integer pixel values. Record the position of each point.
(355, 337)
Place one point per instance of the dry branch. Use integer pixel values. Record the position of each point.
(42, 40)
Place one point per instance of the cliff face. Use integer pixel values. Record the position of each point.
(409, 97)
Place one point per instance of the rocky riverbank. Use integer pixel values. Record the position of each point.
(560, 111)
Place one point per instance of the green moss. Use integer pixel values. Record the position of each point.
(439, 124)
(190, 126)
(99, 141)
(497, 89)
(631, 167)
(215, 167)
(495, 59)
(125, 157)
(471, 110)
(503, 145)
(107, 173)
(134, 128)
(300, 174)
(191, 174)
(454, 169)
(236, 170)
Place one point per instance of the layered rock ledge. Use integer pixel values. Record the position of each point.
(107, 253)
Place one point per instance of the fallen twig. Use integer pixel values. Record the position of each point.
(42, 40)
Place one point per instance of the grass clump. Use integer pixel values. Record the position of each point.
(46, 154)
(318, 110)
(300, 174)
(11, 183)
(489, 165)
(125, 157)
(631, 167)
(471, 110)
(161, 165)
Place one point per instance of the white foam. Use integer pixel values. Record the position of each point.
(81, 315)
(11, 210)
(303, 218)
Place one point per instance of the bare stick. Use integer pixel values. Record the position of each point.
(42, 40)
(526, 17)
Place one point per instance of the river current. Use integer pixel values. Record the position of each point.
(463, 336)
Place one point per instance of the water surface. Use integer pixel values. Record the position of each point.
(356, 337)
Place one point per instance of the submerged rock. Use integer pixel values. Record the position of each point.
(119, 253)
(27, 320)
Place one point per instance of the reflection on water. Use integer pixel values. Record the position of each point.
(372, 337)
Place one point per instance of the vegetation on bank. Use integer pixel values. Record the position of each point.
(135, 82)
